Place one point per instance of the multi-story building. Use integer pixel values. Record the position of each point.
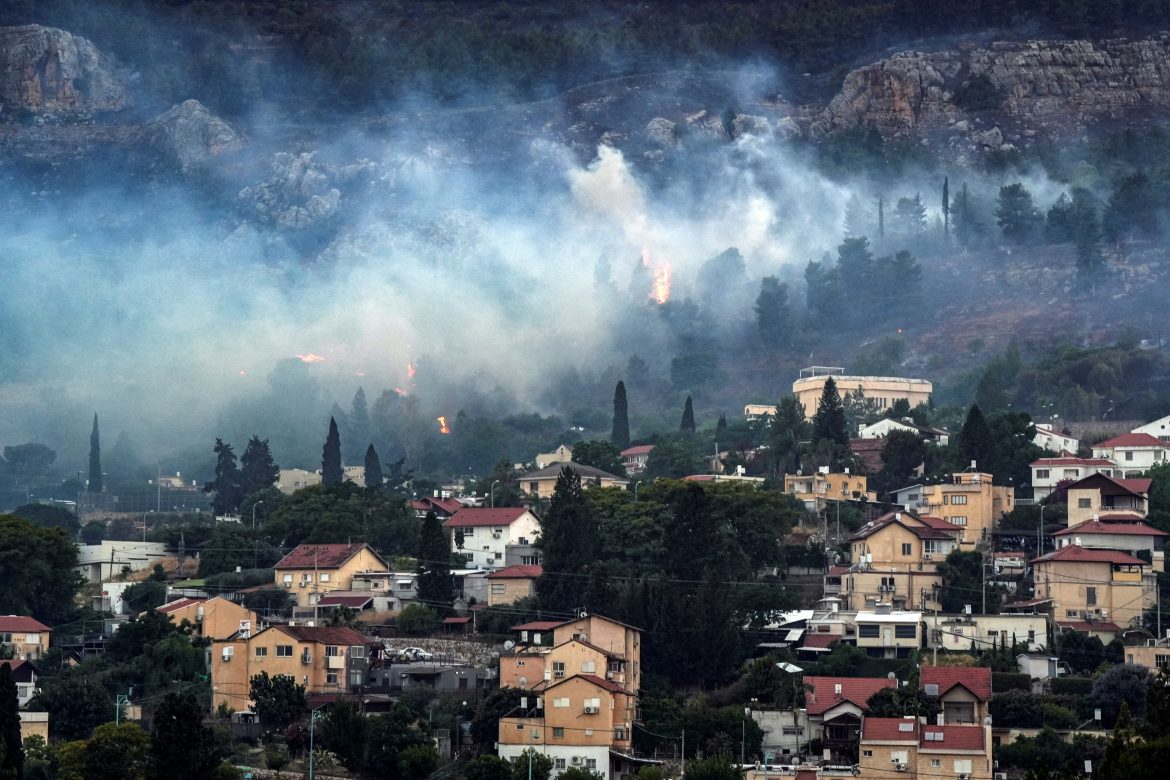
(1047, 473)
(884, 391)
(1138, 539)
(1110, 587)
(590, 644)
(963, 693)
(895, 560)
(483, 535)
(1159, 429)
(1134, 453)
(1108, 499)
(816, 491)
(959, 633)
(542, 482)
(835, 706)
(635, 458)
(312, 570)
(215, 618)
(27, 638)
(888, 633)
(1052, 440)
(969, 500)
(326, 660)
(1153, 655)
(893, 746)
(510, 584)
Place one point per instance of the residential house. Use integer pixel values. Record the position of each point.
(442, 506)
(869, 453)
(895, 560)
(1047, 473)
(890, 746)
(562, 454)
(826, 626)
(959, 633)
(581, 721)
(1107, 586)
(1041, 666)
(622, 643)
(834, 706)
(510, 584)
(34, 724)
(483, 535)
(289, 481)
(963, 692)
(1009, 562)
(883, 427)
(25, 637)
(1138, 539)
(215, 618)
(328, 661)
(107, 560)
(816, 490)
(542, 482)
(312, 570)
(1159, 429)
(1108, 499)
(888, 633)
(969, 500)
(884, 391)
(785, 731)
(24, 674)
(1134, 453)
(635, 458)
(590, 644)
(1153, 655)
(1052, 440)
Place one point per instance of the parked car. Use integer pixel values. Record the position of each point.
(417, 654)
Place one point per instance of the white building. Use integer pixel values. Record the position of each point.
(105, 561)
(1048, 438)
(883, 427)
(1134, 453)
(958, 633)
(486, 533)
(1048, 472)
(888, 633)
(1159, 429)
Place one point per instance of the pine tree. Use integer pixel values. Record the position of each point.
(95, 459)
(620, 436)
(374, 477)
(721, 428)
(569, 543)
(975, 438)
(228, 483)
(434, 565)
(358, 429)
(829, 421)
(12, 762)
(331, 470)
(258, 471)
(182, 747)
(688, 417)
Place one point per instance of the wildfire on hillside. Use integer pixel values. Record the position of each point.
(401, 392)
(410, 370)
(310, 358)
(660, 282)
(443, 428)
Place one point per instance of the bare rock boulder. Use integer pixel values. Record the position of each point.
(46, 70)
(192, 135)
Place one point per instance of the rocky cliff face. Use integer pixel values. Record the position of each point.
(190, 134)
(45, 70)
(1004, 93)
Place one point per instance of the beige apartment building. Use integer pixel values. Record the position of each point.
(891, 747)
(311, 570)
(969, 500)
(815, 490)
(1108, 499)
(509, 585)
(587, 645)
(27, 638)
(884, 391)
(895, 560)
(1108, 587)
(215, 618)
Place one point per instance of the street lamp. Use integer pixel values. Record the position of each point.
(313, 715)
(492, 491)
(255, 547)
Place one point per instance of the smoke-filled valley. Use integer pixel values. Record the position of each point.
(230, 267)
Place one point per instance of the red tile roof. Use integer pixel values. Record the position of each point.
(353, 602)
(21, 623)
(817, 641)
(1086, 626)
(518, 572)
(538, 625)
(323, 556)
(600, 682)
(178, 604)
(1121, 517)
(1111, 486)
(480, 516)
(953, 738)
(1090, 527)
(457, 620)
(976, 679)
(823, 696)
(640, 449)
(1141, 486)
(937, 522)
(889, 729)
(325, 635)
(837, 571)
(869, 451)
(1131, 440)
(1077, 554)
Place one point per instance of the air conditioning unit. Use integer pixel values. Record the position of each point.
(576, 760)
(592, 710)
(306, 657)
(495, 534)
(927, 556)
(1001, 776)
(900, 767)
(964, 776)
(288, 584)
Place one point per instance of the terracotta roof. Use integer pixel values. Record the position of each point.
(600, 682)
(935, 528)
(457, 620)
(953, 738)
(1109, 486)
(21, 623)
(1086, 626)
(869, 451)
(1141, 486)
(585, 472)
(1090, 527)
(325, 635)
(477, 516)
(936, 522)
(640, 449)
(354, 602)
(538, 625)
(1121, 517)
(1077, 554)
(323, 556)
(178, 604)
(518, 572)
(823, 696)
(837, 571)
(976, 679)
(1131, 440)
(889, 730)
(1072, 462)
(815, 641)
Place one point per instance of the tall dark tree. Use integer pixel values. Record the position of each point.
(569, 541)
(688, 416)
(227, 487)
(829, 421)
(968, 227)
(946, 208)
(786, 430)
(881, 218)
(1016, 213)
(279, 700)
(721, 427)
(357, 427)
(183, 748)
(95, 459)
(434, 565)
(332, 472)
(975, 438)
(621, 418)
(12, 759)
(773, 315)
(374, 476)
(258, 471)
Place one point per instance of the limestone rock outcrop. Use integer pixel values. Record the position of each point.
(191, 134)
(44, 70)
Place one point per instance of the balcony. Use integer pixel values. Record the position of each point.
(335, 662)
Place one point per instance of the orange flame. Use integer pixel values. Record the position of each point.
(410, 370)
(661, 289)
(400, 391)
(310, 358)
(443, 429)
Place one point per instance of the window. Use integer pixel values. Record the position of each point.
(1072, 613)
(1071, 473)
(332, 651)
(621, 733)
(261, 652)
(905, 632)
(907, 549)
(867, 753)
(558, 732)
(288, 579)
(935, 763)
(946, 499)
(533, 487)
(499, 556)
(792, 730)
(591, 763)
(521, 663)
(1031, 636)
(899, 757)
(1161, 660)
(357, 651)
(324, 577)
(1129, 455)
(963, 766)
(561, 703)
(961, 520)
(498, 588)
(592, 705)
(558, 668)
(588, 667)
(284, 651)
(959, 500)
(868, 631)
(559, 763)
(331, 678)
(888, 584)
(1091, 596)
(1084, 503)
(355, 678)
(1041, 473)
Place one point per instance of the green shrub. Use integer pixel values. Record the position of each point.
(275, 757)
(1006, 681)
(1072, 686)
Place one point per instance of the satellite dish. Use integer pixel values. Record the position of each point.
(509, 644)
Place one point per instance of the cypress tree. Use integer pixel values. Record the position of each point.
(975, 438)
(688, 417)
(228, 483)
(434, 567)
(946, 208)
(721, 427)
(374, 477)
(331, 470)
(258, 471)
(621, 418)
(12, 763)
(95, 459)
